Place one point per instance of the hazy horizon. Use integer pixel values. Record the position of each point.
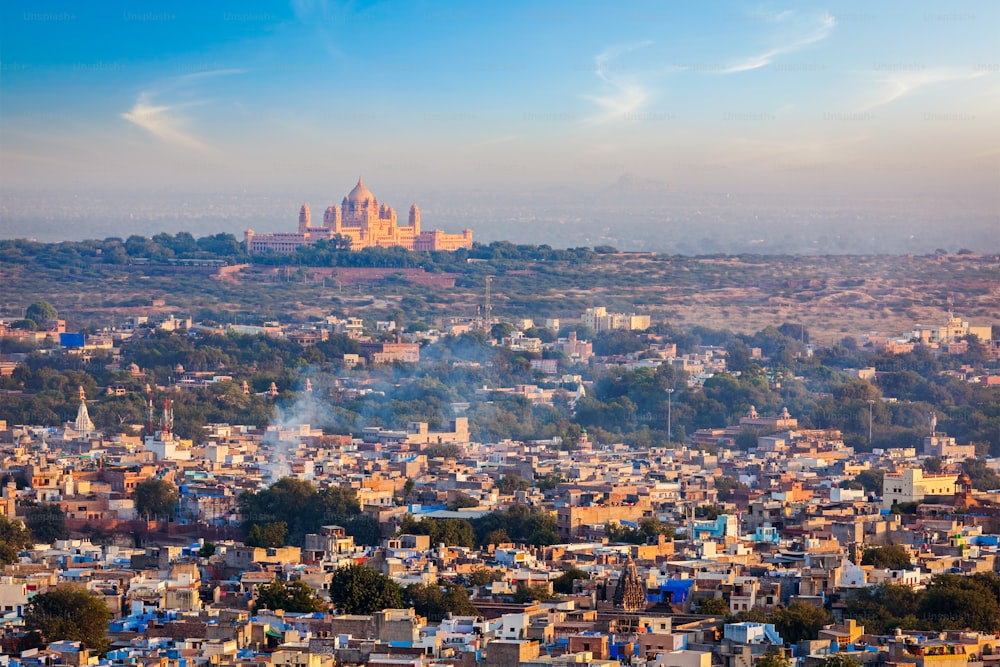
(802, 128)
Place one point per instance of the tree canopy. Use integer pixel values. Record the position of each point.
(981, 475)
(267, 535)
(435, 602)
(296, 597)
(70, 612)
(356, 589)
(41, 312)
(14, 538)
(155, 498)
(950, 602)
(889, 556)
(800, 620)
(47, 522)
(303, 509)
(840, 660)
(564, 582)
(774, 659)
(714, 607)
(452, 532)
(648, 529)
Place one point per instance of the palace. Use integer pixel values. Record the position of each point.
(363, 221)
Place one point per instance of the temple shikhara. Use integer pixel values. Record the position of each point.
(366, 223)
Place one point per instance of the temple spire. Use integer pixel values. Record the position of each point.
(630, 593)
(83, 423)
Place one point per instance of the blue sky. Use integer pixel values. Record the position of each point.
(861, 98)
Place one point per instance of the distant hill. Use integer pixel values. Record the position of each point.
(630, 184)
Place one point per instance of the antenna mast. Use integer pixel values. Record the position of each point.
(149, 410)
(168, 419)
(488, 309)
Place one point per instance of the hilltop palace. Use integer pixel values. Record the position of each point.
(366, 223)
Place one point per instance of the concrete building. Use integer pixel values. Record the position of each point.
(945, 447)
(599, 319)
(913, 485)
(384, 352)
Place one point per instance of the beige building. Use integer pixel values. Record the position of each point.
(365, 222)
(913, 485)
(599, 319)
(945, 447)
(385, 352)
(953, 330)
(572, 520)
(418, 433)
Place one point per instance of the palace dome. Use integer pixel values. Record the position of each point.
(360, 193)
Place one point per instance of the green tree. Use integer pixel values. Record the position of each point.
(462, 500)
(647, 530)
(519, 524)
(800, 620)
(933, 464)
(452, 532)
(434, 602)
(981, 475)
(884, 607)
(564, 582)
(501, 330)
(364, 529)
(303, 509)
(356, 589)
(427, 600)
(295, 597)
(47, 523)
(905, 508)
(457, 601)
(774, 659)
(207, 550)
(267, 535)
(889, 556)
(713, 607)
(709, 512)
(70, 612)
(497, 537)
(484, 575)
(953, 602)
(727, 485)
(840, 660)
(510, 483)
(41, 312)
(155, 498)
(525, 593)
(14, 538)
(549, 481)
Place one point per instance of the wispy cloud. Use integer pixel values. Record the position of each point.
(903, 83)
(622, 93)
(162, 123)
(193, 77)
(816, 33)
(163, 120)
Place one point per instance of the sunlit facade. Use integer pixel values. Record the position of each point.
(365, 222)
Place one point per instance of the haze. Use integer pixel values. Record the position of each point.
(849, 127)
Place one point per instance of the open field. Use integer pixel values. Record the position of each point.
(832, 296)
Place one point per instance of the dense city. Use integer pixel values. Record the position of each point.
(493, 491)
